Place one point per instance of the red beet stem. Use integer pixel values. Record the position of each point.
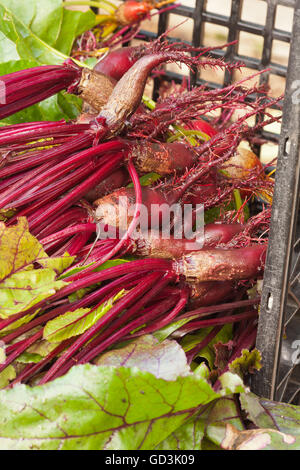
(78, 143)
(204, 311)
(28, 132)
(45, 81)
(149, 313)
(184, 295)
(71, 216)
(196, 325)
(123, 303)
(34, 369)
(79, 228)
(109, 340)
(80, 190)
(89, 299)
(47, 174)
(77, 281)
(105, 338)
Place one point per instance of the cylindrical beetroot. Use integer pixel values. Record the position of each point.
(153, 245)
(208, 293)
(116, 180)
(162, 158)
(96, 85)
(128, 92)
(222, 265)
(117, 62)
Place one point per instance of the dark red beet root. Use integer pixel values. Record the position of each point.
(117, 62)
(132, 11)
(208, 293)
(116, 180)
(222, 265)
(162, 158)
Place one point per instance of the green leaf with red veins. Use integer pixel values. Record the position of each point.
(207, 426)
(223, 412)
(99, 407)
(189, 436)
(263, 413)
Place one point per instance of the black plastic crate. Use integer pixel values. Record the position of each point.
(279, 324)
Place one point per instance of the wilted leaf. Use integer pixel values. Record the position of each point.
(41, 348)
(21, 321)
(7, 375)
(58, 264)
(247, 363)
(231, 383)
(258, 439)
(192, 340)
(222, 354)
(2, 352)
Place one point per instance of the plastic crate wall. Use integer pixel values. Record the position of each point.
(279, 323)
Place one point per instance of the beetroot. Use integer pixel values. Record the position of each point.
(118, 62)
(162, 158)
(220, 265)
(209, 293)
(132, 11)
(116, 180)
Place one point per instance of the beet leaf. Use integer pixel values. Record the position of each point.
(22, 284)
